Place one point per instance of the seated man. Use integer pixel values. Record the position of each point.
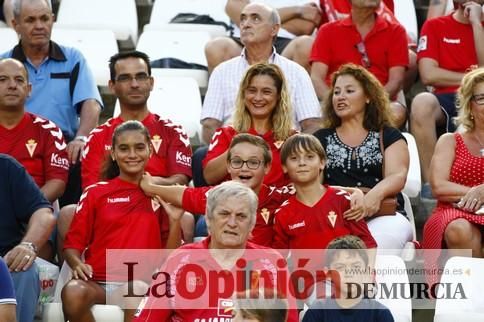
(26, 221)
(132, 83)
(7, 295)
(259, 25)
(367, 39)
(36, 143)
(449, 46)
(298, 17)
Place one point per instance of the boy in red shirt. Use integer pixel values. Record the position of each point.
(315, 214)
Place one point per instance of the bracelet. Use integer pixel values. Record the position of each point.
(30, 245)
(82, 138)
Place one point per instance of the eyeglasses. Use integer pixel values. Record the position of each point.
(140, 77)
(237, 163)
(479, 99)
(365, 60)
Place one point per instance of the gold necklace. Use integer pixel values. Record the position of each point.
(481, 146)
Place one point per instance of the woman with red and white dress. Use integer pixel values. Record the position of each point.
(457, 179)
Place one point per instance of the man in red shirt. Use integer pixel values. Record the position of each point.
(37, 143)
(170, 163)
(367, 39)
(449, 46)
(231, 216)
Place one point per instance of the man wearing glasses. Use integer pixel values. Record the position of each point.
(449, 46)
(367, 39)
(131, 82)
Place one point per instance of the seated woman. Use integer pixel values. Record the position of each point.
(357, 113)
(457, 177)
(115, 214)
(263, 108)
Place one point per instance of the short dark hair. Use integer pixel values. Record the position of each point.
(350, 243)
(302, 142)
(254, 140)
(130, 54)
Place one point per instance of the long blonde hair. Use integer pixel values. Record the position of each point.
(464, 97)
(281, 117)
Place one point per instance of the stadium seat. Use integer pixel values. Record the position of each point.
(97, 46)
(391, 270)
(164, 11)
(407, 16)
(177, 99)
(52, 312)
(414, 180)
(184, 45)
(8, 39)
(120, 16)
(408, 252)
(469, 273)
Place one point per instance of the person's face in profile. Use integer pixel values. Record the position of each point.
(349, 98)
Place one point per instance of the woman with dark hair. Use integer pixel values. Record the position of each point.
(263, 108)
(114, 214)
(365, 150)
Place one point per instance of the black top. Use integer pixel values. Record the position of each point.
(359, 166)
(329, 311)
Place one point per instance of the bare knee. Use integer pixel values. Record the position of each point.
(399, 113)
(458, 233)
(425, 108)
(77, 297)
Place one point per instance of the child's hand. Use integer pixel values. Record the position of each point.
(357, 209)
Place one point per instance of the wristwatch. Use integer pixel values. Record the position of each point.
(82, 138)
(30, 245)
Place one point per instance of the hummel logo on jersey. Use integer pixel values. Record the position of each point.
(452, 41)
(297, 225)
(183, 159)
(118, 200)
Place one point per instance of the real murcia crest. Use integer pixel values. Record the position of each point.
(278, 144)
(156, 141)
(155, 204)
(332, 218)
(265, 214)
(31, 145)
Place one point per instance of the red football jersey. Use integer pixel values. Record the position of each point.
(172, 153)
(270, 199)
(149, 311)
(298, 226)
(451, 44)
(115, 215)
(38, 144)
(221, 141)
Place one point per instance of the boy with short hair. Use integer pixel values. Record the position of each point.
(348, 257)
(314, 216)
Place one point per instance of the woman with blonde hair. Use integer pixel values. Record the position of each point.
(365, 150)
(457, 177)
(263, 108)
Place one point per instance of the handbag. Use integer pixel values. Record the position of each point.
(388, 205)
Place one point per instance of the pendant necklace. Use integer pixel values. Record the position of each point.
(481, 146)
